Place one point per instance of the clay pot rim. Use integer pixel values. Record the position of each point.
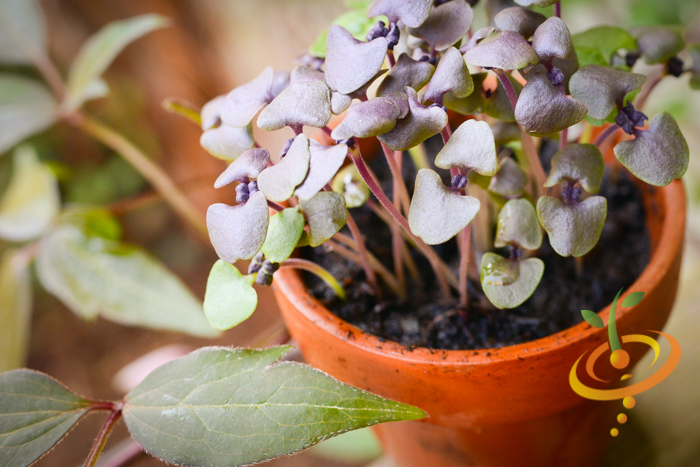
(669, 242)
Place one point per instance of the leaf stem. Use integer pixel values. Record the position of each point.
(392, 59)
(102, 436)
(432, 257)
(396, 237)
(564, 138)
(276, 206)
(384, 273)
(528, 142)
(147, 168)
(646, 92)
(318, 270)
(397, 176)
(605, 134)
(465, 251)
(363, 256)
(557, 9)
(446, 133)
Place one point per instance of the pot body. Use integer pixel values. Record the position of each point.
(504, 407)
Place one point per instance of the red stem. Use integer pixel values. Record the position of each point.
(277, 207)
(102, 436)
(605, 134)
(396, 237)
(564, 138)
(557, 9)
(362, 253)
(446, 133)
(392, 59)
(465, 251)
(397, 176)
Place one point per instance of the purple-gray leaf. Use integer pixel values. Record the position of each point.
(406, 72)
(601, 89)
(478, 36)
(324, 164)
(510, 179)
(279, 181)
(471, 146)
(411, 12)
(508, 51)
(401, 101)
(573, 229)
(437, 213)
(248, 165)
(539, 3)
(544, 109)
(420, 124)
(326, 214)
(238, 232)
(658, 44)
(581, 163)
(304, 103)
(211, 113)
(367, 119)
(227, 142)
(280, 81)
(521, 20)
(658, 155)
(474, 102)
(446, 24)
(306, 73)
(451, 75)
(518, 225)
(246, 100)
(350, 63)
(553, 40)
(339, 102)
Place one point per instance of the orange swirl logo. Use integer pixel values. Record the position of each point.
(620, 359)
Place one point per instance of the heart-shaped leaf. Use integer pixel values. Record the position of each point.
(36, 412)
(411, 12)
(350, 63)
(305, 103)
(283, 234)
(539, 3)
(326, 214)
(324, 164)
(31, 201)
(592, 318)
(367, 119)
(354, 20)
(94, 276)
(446, 25)
(227, 142)
(507, 51)
(230, 298)
(573, 229)
(633, 299)
(248, 99)
(498, 104)
(694, 50)
(248, 165)
(508, 283)
(603, 89)
(604, 41)
(349, 183)
(658, 44)
(451, 75)
(437, 213)
(15, 309)
(210, 115)
(238, 231)
(26, 108)
(505, 133)
(658, 155)
(544, 109)
(279, 181)
(518, 225)
(581, 163)
(420, 124)
(339, 102)
(471, 147)
(228, 407)
(23, 32)
(473, 103)
(477, 37)
(510, 180)
(100, 50)
(553, 40)
(521, 20)
(406, 72)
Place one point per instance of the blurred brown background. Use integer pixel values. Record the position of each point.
(212, 46)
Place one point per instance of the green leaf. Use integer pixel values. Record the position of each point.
(31, 200)
(518, 225)
(356, 446)
(92, 276)
(22, 31)
(230, 298)
(606, 40)
(100, 50)
(694, 50)
(35, 413)
(26, 108)
(633, 299)
(349, 183)
(355, 21)
(220, 406)
(283, 234)
(592, 318)
(326, 214)
(15, 309)
(508, 283)
(93, 221)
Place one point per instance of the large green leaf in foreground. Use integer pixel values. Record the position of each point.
(231, 407)
(35, 413)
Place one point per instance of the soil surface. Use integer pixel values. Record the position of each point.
(619, 258)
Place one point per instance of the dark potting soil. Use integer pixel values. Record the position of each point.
(619, 258)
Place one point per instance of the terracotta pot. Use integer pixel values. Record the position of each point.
(504, 407)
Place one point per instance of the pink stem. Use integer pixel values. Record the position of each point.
(390, 56)
(101, 440)
(557, 9)
(362, 253)
(465, 251)
(605, 134)
(564, 138)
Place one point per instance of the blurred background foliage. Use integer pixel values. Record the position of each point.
(212, 46)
